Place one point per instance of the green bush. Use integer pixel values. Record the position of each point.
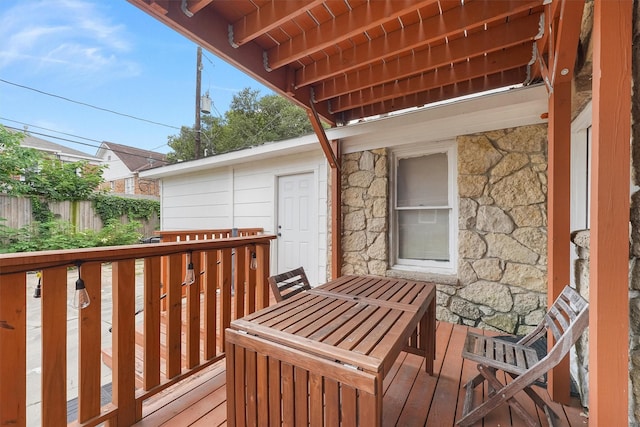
(114, 207)
(63, 235)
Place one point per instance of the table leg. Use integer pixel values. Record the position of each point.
(429, 334)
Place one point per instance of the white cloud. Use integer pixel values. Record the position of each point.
(74, 37)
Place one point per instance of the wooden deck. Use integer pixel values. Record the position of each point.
(412, 398)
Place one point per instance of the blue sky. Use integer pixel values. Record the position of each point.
(108, 54)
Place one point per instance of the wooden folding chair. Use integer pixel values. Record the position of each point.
(567, 318)
(286, 285)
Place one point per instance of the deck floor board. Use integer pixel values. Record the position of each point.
(412, 397)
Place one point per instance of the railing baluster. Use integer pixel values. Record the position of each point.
(193, 315)
(13, 349)
(239, 280)
(262, 272)
(224, 282)
(210, 303)
(124, 369)
(250, 305)
(223, 273)
(89, 332)
(152, 288)
(173, 338)
(54, 345)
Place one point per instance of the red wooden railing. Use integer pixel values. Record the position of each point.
(209, 306)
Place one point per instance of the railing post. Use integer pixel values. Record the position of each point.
(13, 349)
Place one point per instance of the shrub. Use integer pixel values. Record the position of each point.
(63, 235)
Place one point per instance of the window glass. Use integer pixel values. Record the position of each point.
(128, 186)
(422, 181)
(424, 234)
(422, 211)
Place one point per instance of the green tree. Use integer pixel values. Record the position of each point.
(251, 120)
(27, 172)
(15, 162)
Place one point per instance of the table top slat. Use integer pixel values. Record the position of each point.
(324, 322)
(363, 321)
(334, 332)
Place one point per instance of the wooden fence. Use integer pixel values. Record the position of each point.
(17, 213)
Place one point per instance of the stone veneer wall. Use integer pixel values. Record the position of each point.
(365, 197)
(502, 273)
(502, 267)
(580, 364)
(501, 282)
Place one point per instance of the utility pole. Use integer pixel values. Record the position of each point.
(197, 126)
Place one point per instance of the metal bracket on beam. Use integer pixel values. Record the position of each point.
(185, 9)
(231, 41)
(265, 61)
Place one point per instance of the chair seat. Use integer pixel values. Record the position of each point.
(498, 353)
(566, 319)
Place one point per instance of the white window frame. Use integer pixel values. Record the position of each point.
(416, 150)
(129, 186)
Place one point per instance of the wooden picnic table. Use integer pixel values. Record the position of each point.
(320, 357)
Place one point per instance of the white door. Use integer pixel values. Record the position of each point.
(296, 227)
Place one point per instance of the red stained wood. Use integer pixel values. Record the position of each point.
(152, 278)
(89, 344)
(54, 345)
(124, 359)
(413, 403)
(13, 349)
(609, 263)
(559, 216)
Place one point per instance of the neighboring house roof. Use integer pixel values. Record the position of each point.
(64, 153)
(135, 159)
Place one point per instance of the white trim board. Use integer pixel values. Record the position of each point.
(516, 107)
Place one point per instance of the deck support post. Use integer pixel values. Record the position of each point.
(559, 217)
(336, 214)
(610, 187)
(331, 151)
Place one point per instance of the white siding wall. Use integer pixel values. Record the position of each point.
(116, 169)
(197, 201)
(244, 195)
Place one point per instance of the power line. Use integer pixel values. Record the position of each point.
(87, 105)
(78, 142)
(50, 130)
(63, 133)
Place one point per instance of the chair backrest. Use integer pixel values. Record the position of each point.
(567, 319)
(286, 285)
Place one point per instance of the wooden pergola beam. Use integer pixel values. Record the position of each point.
(451, 22)
(327, 34)
(610, 189)
(268, 17)
(467, 87)
(443, 58)
(480, 66)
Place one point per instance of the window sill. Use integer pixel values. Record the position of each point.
(424, 276)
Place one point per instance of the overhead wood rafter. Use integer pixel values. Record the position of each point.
(356, 58)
